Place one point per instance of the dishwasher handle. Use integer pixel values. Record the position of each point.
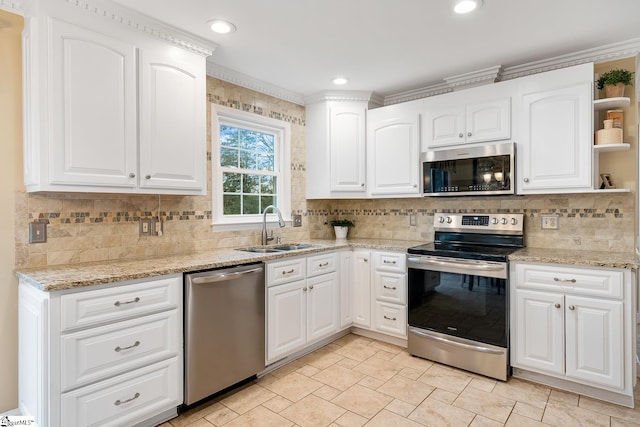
(218, 277)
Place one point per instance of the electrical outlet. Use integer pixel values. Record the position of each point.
(145, 227)
(297, 220)
(550, 222)
(413, 220)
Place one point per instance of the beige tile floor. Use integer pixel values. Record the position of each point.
(356, 381)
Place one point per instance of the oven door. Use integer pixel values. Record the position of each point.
(459, 297)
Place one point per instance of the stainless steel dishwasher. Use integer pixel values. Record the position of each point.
(224, 329)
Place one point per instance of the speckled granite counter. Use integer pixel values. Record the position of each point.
(577, 257)
(78, 275)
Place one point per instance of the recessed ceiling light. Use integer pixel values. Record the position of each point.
(340, 81)
(466, 6)
(221, 26)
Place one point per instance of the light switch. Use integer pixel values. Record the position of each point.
(37, 232)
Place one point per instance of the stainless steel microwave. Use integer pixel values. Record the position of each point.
(480, 170)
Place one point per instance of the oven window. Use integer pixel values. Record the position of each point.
(463, 305)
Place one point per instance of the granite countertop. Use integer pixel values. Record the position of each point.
(86, 274)
(627, 260)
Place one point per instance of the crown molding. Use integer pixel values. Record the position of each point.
(411, 95)
(474, 78)
(609, 52)
(125, 17)
(13, 6)
(244, 80)
(346, 95)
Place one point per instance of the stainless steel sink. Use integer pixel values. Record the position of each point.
(277, 248)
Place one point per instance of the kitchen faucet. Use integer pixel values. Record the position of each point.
(265, 237)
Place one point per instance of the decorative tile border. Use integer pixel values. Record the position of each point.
(250, 108)
(116, 217)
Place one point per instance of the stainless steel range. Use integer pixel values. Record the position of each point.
(458, 292)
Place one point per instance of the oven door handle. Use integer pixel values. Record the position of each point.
(455, 343)
(480, 267)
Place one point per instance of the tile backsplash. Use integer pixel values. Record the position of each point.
(86, 227)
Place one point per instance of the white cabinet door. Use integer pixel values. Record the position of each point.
(393, 153)
(445, 126)
(556, 131)
(286, 324)
(93, 109)
(172, 120)
(488, 121)
(347, 145)
(538, 335)
(346, 288)
(595, 335)
(322, 306)
(362, 288)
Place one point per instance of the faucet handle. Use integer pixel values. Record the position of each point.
(279, 240)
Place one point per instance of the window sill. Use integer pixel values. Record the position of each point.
(247, 226)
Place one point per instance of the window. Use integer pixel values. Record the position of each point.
(251, 166)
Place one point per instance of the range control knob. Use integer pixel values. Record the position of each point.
(449, 220)
(441, 220)
(503, 221)
(514, 221)
(494, 221)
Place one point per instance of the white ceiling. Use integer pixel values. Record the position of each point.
(390, 46)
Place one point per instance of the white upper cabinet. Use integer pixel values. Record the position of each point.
(474, 115)
(335, 149)
(108, 108)
(393, 150)
(555, 115)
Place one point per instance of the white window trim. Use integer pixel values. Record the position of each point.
(279, 127)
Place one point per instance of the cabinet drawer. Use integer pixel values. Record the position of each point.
(97, 353)
(390, 261)
(577, 280)
(391, 287)
(391, 319)
(321, 264)
(107, 305)
(126, 399)
(285, 271)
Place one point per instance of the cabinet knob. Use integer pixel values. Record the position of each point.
(469, 134)
(526, 180)
(304, 289)
(460, 135)
(571, 307)
(132, 175)
(311, 287)
(557, 305)
(147, 177)
(415, 185)
(362, 185)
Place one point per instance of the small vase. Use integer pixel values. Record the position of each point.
(341, 232)
(614, 91)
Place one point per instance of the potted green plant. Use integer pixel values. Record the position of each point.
(613, 82)
(341, 227)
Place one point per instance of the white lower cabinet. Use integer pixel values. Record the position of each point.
(300, 312)
(101, 356)
(574, 325)
(380, 292)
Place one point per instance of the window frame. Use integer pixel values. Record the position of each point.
(282, 131)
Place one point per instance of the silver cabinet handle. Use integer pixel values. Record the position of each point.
(120, 402)
(132, 175)
(388, 262)
(526, 180)
(571, 307)
(557, 305)
(557, 279)
(119, 349)
(324, 264)
(147, 177)
(469, 134)
(288, 272)
(460, 135)
(389, 318)
(118, 303)
(389, 287)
